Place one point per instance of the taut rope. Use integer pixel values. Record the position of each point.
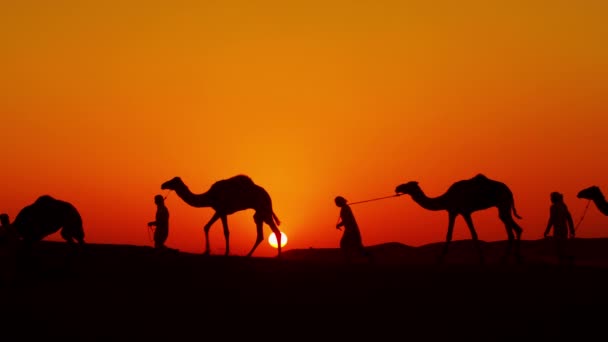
(583, 216)
(369, 200)
(374, 199)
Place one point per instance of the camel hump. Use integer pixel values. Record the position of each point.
(243, 179)
(480, 176)
(236, 182)
(236, 185)
(47, 200)
(44, 199)
(47, 203)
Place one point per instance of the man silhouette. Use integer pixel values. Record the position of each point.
(351, 243)
(561, 221)
(161, 223)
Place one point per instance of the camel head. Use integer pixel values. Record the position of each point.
(172, 184)
(407, 188)
(590, 193)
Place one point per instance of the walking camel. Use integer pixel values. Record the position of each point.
(465, 197)
(594, 194)
(226, 197)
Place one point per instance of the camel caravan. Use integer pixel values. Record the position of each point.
(48, 215)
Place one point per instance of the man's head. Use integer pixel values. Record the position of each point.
(340, 201)
(556, 197)
(159, 199)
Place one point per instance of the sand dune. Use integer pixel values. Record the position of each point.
(125, 292)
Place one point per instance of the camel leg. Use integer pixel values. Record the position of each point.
(66, 234)
(469, 221)
(260, 233)
(513, 239)
(276, 232)
(207, 227)
(448, 239)
(517, 242)
(226, 233)
(74, 231)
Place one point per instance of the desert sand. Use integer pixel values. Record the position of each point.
(126, 292)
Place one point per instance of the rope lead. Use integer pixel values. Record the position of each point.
(583, 216)
(374, 199)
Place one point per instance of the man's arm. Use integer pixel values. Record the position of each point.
(570, 225)
(549, 223)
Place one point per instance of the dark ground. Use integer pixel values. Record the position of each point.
(123, 292)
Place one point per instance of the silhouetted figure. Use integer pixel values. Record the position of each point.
(9, 248)
(594, 194)
(226, 197)
(351, 243)
(561, 222)
(46, 216)
(465, 197)
(161, 223)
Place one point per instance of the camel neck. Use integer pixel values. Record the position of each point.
(192, 199)
(429, 203)
(600, 203)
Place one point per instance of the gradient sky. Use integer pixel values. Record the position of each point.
(103, 101)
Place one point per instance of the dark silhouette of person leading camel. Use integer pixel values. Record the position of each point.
(561, 221)
(351, 243)
(161, 223)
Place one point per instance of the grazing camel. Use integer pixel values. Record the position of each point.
(594, 194)
(46, 216)
(226, 197)
(465, 197)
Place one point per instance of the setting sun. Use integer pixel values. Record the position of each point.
(272, 240)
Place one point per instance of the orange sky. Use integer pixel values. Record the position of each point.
(103, 101)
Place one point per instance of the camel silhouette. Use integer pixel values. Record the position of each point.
(594, 194)
(465, 197)
(46, 216)
(226, 197)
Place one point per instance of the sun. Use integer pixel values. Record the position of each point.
(272, 240)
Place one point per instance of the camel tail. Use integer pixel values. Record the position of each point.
(515, 211)
(276, 219)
